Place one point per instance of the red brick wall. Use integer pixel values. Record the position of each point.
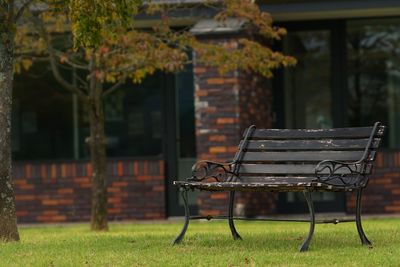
(382, 194)
(225, 106)
(255, 102)
(58, 192)
(217, 126)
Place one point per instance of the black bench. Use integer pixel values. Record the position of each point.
(284, 160)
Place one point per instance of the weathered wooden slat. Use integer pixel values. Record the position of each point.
(325, 144)
(287, 169)
(276, 179)
(262, 186)
(336, 133)
(305, 156)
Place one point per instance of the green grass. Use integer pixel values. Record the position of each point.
(206, 244)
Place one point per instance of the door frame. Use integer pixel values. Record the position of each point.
(170, 147)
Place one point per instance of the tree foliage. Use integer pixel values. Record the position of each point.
(123, 51)
(92, 19)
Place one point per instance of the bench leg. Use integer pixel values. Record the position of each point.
(306, 243)
(235, 234)
(179, 238)
(363, 237)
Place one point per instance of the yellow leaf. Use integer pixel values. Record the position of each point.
(26, 63)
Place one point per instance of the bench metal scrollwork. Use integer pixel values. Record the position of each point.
(347, 174)
(204, 170)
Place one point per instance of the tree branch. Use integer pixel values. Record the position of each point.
(53, 63)
(85, 84)
(22, 9)
(31, 56)
(114, 87)
(57, 75)
(70, 62)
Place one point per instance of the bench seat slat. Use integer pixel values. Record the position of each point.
(260, 186)
(275, 179)
(291, 179)
(306, 156)
(359, 132)
(288, 169)
(325, 144)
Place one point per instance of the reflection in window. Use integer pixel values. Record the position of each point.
(185, 90)
(41, 117)
(132, 120)
(307, 86)
(308, 90)
(374, 75)
(44, 116)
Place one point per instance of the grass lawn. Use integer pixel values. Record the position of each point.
(206, 244)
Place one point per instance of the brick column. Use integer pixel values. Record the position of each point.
(225, 106)
(255, 101)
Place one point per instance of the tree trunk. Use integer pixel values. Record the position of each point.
(8, 219)
(97, 143)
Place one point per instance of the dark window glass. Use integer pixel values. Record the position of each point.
(42, 117)
(374, 75)
(308, 102)
(184, 86)
(50, 123)
(186, 126)
(133, 120)
(307, 86)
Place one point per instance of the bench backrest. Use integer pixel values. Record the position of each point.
(296, 152)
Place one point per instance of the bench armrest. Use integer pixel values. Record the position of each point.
(205, 170)
(347, 174)
(342, 174)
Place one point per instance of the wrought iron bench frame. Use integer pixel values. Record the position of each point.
(226, 174)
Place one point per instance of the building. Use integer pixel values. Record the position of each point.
(348, 75)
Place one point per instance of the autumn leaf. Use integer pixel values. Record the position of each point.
(26, 63)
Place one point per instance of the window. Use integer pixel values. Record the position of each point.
(307, 86)
(348, 74)
(49, 122)
(42, 117)
(308, 101)
(185, 90)
(132, 120)
(373, 48)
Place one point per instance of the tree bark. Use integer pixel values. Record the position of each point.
(97, 143)
(8, 219)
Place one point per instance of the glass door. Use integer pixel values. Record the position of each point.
(180, 144)
(186, 139)
(309, 99)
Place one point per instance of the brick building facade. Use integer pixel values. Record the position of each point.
(342, 72)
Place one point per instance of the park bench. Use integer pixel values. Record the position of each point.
(291, 160)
